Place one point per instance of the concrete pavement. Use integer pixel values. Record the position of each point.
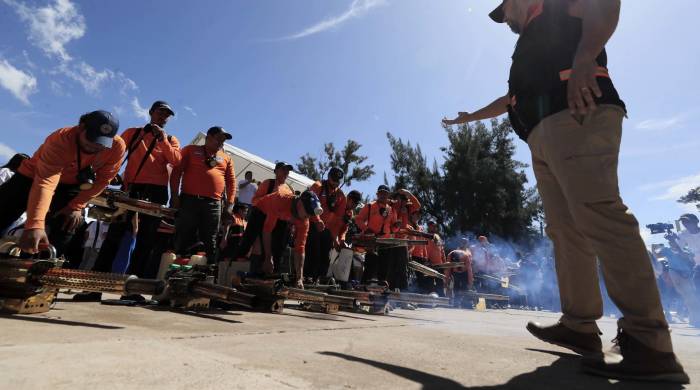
(93, 346)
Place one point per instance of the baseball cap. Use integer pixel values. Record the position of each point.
(282, 164)
(312, 205)
(498, 15)
(336, 174)
(219, 130)
(383, 188)
(100, 127)
(689, 217)
(161, 104)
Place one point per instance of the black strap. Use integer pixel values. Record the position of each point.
(145, 157)
(132, 145)
(271, 186)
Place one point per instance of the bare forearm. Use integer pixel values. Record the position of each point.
(496, 108)
(600, 18)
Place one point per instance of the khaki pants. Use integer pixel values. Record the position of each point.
(576, 170)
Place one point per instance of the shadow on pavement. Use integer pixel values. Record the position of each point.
(563, 373)
(56, 321)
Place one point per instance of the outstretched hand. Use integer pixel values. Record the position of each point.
(462, 117)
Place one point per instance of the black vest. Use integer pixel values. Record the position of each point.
(546, 47)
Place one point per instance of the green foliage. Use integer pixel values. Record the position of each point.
(479, 188)
(348, 159)
(693, 196)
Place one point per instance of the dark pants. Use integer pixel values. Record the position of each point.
(13, 202)
(110, 245)
(148, 227)
(198, 217)
(390, 264)
(253, 232)
(318, 249)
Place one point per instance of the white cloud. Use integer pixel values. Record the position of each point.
(53, 26)
(6, 152)
(357, 9)
(661, 124)
(190, 110)
(140, 112)
(19, 83)
(674, 189)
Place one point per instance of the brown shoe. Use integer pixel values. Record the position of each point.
(585, 344)
(639, 362)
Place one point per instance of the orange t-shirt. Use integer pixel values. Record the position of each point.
(56, 161)
(199, 179)
(155, 168)
(330, 217)
(264, 189)
(404, 209)
(278, 207)
(371, 220)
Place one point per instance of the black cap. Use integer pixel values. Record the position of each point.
(689, 217)
(355, 195)
(383, 188)
(282, 164)
(336, 174)
(161, 104)
(100, 127)
(312, 205)
(219, 130)
(498, 15)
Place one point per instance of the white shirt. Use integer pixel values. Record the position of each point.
(96, 234)
(5, 175)
(245, 194)
(692, 242)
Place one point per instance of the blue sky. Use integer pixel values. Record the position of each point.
(286, 76)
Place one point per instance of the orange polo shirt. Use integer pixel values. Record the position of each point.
(418, 250)
(264, 189)
(330, 217)
(339, 228)
(56, 161)
(436, 252)
(370, 219)
(155, 167)
(278, 207)
(199, 179)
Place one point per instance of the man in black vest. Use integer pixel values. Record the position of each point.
(562, 102)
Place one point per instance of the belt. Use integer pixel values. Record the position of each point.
(199, 197)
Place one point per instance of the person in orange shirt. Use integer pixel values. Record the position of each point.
(280, 235)
(436, 247)
(73, 165)
(339, 228)
(405, 204)
(199, 184)
(295, 210)
(321, 239)
(149, 152)
(378, 218)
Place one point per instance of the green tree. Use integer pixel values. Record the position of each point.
(484, 187)
(693, 196)
(411, 172)
(348, 159)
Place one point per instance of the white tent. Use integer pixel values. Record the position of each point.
(262, 169)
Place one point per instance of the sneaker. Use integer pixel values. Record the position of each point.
(639, 362)
(86, 296)
(585, 344)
